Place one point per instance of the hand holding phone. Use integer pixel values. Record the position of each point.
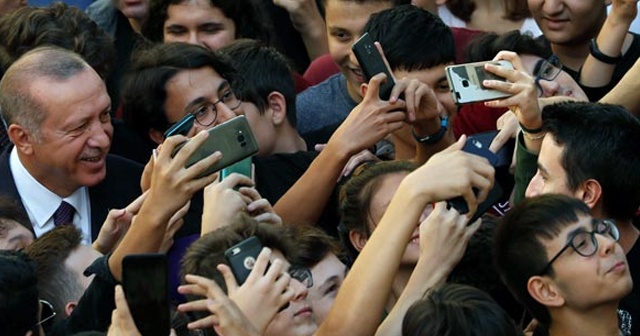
(465, 82)
(371, 63)
(233, 139)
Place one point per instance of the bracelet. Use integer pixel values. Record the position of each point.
(597, 54)
(531, 137)
(530, 130)
(433, 138)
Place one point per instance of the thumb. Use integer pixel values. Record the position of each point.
(373, 89)
(458, 145)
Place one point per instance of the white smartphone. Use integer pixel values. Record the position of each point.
(465, 82)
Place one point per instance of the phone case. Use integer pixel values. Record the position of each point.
(242, 257)
(242, 167)
(371, 63)
(465, 82)
(233, 139)
(146, 288)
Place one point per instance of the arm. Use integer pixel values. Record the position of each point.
(363, 295)
(595, 73)
(443, 239)
(367, 123)
(306, 18)
(625, 93)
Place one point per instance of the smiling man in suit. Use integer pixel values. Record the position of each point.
(57, 112)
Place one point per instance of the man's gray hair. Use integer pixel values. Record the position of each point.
(17, 105)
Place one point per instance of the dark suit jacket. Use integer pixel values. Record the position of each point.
(119, 188)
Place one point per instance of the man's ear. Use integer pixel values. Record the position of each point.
(590, 193)
(21, 138)
(363, 89)
(69, 307)
(545, 291)
(357, 239)
(156, 136)
(278, 106)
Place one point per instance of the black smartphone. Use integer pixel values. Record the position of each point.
(182, 127)
(371, 63)
(504, 156)
(146, 288)
(233, 139)
(242, 257)
(476, 147)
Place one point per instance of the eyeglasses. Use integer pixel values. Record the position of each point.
(207, 113)
(204, 114)
(585, 243)
(547, 70)
(46, 314)
(303, 275)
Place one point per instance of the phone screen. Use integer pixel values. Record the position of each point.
(146, 288)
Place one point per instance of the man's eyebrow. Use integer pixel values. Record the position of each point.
(194, 103)
(223, 85)
(542, 169)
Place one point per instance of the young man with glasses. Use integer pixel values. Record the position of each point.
(565, 266)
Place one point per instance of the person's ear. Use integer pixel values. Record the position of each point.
(545, 291)
(21, 138)
(358, 240)
(156, 136)
(278, 106)
(363, 89)
(590, 193)
(69, 307)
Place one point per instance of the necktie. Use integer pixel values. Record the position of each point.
(64, 214)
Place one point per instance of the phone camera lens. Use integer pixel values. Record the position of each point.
(241, 138)
(465, 83)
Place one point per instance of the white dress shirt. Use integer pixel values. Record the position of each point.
(41, 203)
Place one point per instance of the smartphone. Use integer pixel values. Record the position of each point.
(242, 257)
(182, 127)
(465, 82)
(504, 156)
(233, 139)
(146, 288)
(475, 146)
(243, 167)
(371, 63)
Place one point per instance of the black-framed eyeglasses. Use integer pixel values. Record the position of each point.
(204, 114)
(585, 243)
(46, 314)
(207, 113)
(302, 274)
(547, 69)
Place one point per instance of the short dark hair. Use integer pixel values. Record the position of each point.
(484, 47)
(59, 25)
(11, 210)
(356, 195)
(263, 70)
(248, 16)
(453, 309)
(601, 142)
(408, 35)
(19, 305)
(144, 90)
(518, 249)
(56, 282)
(312, 245)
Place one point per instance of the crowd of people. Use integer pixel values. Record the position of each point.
(412, 215)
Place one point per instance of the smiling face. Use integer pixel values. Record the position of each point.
(71, 147)
(191, 89)
(345, 22)
(562, 85)
(198, 22)
(604, 276)
(568, 22)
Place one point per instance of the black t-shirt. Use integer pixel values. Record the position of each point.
(275, 174)
(628, 59)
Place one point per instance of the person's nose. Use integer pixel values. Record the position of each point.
(549, 88)
(300, 290)
(552, 7)
(101, 135)
(535, 186)
(224, 113)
